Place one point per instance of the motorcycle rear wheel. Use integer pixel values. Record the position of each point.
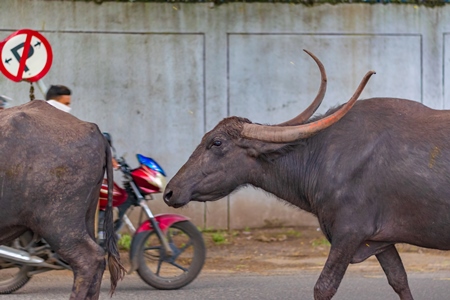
(165, 272)
(13, 276)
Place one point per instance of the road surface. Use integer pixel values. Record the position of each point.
(355, 286)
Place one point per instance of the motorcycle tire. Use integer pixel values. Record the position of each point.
(13, 276)
(170, 272)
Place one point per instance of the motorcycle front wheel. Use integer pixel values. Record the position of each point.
(13, 275)
(167, 272)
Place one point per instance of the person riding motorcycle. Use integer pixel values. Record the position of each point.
(59, 96)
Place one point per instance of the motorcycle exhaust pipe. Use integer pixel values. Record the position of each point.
(19, 256)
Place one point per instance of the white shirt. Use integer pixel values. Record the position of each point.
(59, 105)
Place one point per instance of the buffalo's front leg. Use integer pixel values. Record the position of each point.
(342, 250)
(392, 266)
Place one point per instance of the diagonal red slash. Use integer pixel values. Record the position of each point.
(23, 59)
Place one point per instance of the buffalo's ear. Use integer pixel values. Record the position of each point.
(266, 150)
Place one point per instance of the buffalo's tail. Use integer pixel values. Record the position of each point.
(116, 269)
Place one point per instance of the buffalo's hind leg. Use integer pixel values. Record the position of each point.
(87, 260)
(392, 266)
(88, 264)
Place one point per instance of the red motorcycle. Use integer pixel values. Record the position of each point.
(167, 250)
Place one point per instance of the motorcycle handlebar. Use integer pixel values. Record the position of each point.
(123, 165)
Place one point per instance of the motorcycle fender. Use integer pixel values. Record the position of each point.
(164, 221)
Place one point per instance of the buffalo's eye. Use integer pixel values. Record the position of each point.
(217, 143)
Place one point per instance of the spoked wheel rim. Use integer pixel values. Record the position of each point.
(169, 266)
(15, 275)
(12, 277)
(164, 271)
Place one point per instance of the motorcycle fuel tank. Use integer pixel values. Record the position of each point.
(148, 180)
(119, 195)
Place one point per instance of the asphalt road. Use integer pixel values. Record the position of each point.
(355, 286)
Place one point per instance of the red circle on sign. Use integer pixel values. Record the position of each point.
(29, 34)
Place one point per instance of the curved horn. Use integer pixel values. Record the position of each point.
(277, 134)
(311, 109)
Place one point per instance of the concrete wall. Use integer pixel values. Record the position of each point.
(157, 76)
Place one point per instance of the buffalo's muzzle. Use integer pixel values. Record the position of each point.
(167, 196)
(172, 201)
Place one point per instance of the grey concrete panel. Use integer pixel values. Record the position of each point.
(255, 208)
(146, 89)
(217, 214)
(271, 79)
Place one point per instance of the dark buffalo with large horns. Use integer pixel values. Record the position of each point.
(375, 172)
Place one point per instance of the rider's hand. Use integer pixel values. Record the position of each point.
(115, 164)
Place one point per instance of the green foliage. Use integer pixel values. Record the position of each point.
(218, 238)
(320, 242)
(124, 242)
(207, 229)
(293, 233)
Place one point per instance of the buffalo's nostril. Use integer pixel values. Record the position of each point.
(167, 195)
